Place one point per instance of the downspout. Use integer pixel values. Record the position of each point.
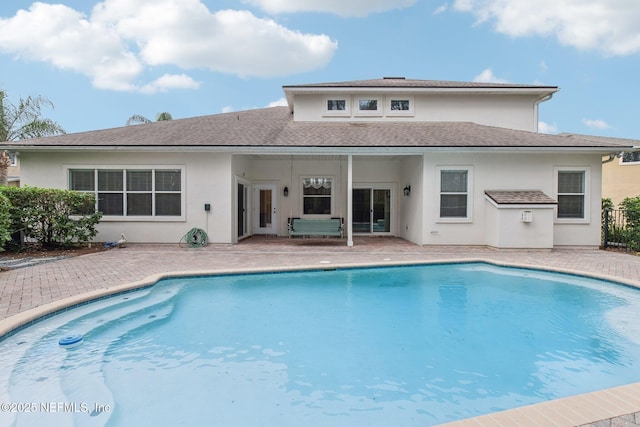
(536, 119)
(612, 157)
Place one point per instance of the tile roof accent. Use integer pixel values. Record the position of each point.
(274, 127)
(520, 197)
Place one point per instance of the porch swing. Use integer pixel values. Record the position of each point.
(303, 227)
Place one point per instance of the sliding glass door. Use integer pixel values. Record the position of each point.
(371, 210)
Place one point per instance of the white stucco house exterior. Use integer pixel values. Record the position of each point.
(433, 162)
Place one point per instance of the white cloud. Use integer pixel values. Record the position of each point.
(596, 124)
(282, 102)
(547, 128)
(608, 26)
(336, 7)
(543, 66)
(441, 9)
(170, 81)
(487, 76)
(121, 40)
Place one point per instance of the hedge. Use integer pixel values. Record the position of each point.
(51, 217)
(5, 221)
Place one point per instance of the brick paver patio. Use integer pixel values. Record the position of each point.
(44, 285)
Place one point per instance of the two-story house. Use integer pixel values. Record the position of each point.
(433, 162)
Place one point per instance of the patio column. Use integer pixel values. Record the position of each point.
(349, 200)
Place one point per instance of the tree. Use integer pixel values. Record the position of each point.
(137, 119)
(23, 121)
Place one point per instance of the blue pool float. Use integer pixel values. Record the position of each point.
(70, 340)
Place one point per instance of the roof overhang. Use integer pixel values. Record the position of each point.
(288, 150)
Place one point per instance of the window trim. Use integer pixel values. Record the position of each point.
(337, 113)
(390, 112)
(586, 170)
(135, 218)
(469, 193)
(13, 159)
(634, 162)
(333, 196)
(378, 112)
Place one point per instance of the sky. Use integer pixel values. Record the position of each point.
(100, 62)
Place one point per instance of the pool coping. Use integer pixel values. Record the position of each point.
(575, 410)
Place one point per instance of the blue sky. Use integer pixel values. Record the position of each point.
(100, 62)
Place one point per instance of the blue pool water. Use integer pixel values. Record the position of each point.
(406, 346)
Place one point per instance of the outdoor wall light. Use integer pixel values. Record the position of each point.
(286, 191)
(407, 190)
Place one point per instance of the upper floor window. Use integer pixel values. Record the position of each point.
(336, 107)
(132, 192)
(633, 157)
(571, 194)
(399, 106)
(455, 193)
(369, 106)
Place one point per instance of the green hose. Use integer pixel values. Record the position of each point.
(195, 238)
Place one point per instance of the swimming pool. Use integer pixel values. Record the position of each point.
(416, 345)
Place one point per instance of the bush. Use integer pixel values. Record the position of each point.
(5, 221)
(51, 217)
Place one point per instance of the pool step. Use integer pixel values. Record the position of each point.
(69, 385)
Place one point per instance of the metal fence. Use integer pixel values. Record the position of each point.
(621, 229)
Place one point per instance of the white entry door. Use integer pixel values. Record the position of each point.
(266, 209)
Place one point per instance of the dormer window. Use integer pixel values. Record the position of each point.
(369, 106)
(336, 107)
(399, 106)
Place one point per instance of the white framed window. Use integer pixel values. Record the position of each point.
(399, 106)
(13, 158)
(368, 106)
(630, 158)
(455, 195)
(317, 196)
(572, 194)
(337, 106)
(133, 192)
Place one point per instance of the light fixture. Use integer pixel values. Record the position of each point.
(407, 190)
(286, 191)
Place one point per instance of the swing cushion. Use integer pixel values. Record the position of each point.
(315, 227)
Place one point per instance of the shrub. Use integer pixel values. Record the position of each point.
(5, 221)
(52, 217)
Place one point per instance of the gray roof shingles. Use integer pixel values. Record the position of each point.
(401, 82)
(274, 127)
(520, 197)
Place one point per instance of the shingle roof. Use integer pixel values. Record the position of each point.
(401, 82)
(520, 197)
(599, 139)
(274, 127)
